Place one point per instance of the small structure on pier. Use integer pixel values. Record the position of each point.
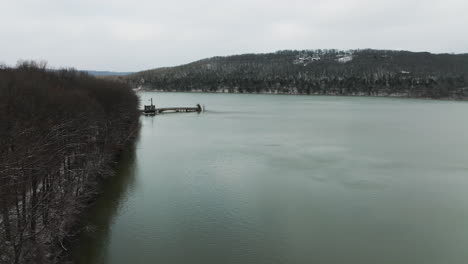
(152, 110)
(149, 109)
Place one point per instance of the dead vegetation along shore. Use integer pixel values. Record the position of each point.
(60, 132)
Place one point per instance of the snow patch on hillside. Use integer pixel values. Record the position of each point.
(345, 59)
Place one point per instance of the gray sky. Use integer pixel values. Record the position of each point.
(123, 35)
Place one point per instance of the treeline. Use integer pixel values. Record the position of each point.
(321, 72)
(59, 133)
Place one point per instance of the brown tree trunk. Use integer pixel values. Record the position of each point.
(33, 207)
(6, 221)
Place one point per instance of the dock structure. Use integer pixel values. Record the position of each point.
(152, 110)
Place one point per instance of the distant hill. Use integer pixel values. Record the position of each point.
(107, 73)
(318, 72)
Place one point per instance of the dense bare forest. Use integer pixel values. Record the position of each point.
(319, 72)
(60, 132)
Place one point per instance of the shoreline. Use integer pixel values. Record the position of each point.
(82, 224)
(300, 94)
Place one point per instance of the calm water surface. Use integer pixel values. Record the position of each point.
(289, 179)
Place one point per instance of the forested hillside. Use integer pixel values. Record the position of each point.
(59, 133)
(320, 72)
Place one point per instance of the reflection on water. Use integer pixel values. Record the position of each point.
(95, 239)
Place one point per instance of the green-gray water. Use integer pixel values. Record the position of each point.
(289, 179)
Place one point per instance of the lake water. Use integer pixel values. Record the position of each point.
(288, 179)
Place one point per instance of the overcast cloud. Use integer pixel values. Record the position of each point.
(135, 35)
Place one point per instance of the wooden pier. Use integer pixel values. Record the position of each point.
(152, 110)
